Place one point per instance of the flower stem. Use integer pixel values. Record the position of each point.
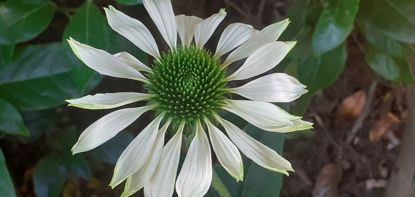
(219, 186)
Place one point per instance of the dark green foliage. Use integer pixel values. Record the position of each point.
(188, 84)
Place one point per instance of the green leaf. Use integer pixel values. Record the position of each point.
(318, 73)
(6, 184)
(7, 51)
(10, 120)
(40, 78)
(395, 18)
(49, 177)
(334, 25)
(75, 164)
(90, 27)
(391, 68)
(112, 149)
(130, 2)
(386, 44)
(21, 21)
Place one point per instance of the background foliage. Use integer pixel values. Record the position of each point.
(36, 76)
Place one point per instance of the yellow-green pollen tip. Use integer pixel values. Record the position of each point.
(187, 84)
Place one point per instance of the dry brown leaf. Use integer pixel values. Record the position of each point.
(382, 127)
(352, 106)
(94, 184)
(327, 181)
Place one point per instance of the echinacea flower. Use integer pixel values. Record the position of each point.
(187, 86)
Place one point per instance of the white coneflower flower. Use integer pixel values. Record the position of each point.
(187, 86)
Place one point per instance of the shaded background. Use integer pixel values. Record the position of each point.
(354, 56)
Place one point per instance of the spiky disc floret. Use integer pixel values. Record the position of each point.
(187, 84)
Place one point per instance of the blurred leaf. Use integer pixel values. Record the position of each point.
(130, 2)
(49, 177)
(112, 149)
(90, 27)
(40, 122)
(7, 51)
(395, 18)
(20, 21)
(334, 24)
(6, 184)
(391, 68)
(76, 164)
(386, 44)
(41, 77)
(318, 73)
(10, 120)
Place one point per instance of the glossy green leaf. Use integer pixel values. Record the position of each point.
(386, 44)
(130, 2)
(112, 149)
(334, 25)
(41, 77)
(395, 18)
(49, 176)
(88, 26)
(6, 184)
(20, 21)
(10, 120)
(391, 68)
(318, 73)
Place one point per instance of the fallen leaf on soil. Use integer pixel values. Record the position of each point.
(382, 127)
(27, 182)
(375, 183)
(327, 181)
(352, 106)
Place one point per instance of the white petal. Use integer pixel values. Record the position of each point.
(263, 60)
(161, 11)
(130, 60)
(133, 30)
(136, 153)
(233, 36)
(195, 176)
(186, 28)
(256, 151)
(137, 181)
(276, 87)
(205, 29)
(107, 100)
(226, 152)
(265, 36)
(162, 182)
(103, 62)
(107, 127)
(263, 115)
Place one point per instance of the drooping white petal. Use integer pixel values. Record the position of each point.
(276, 87)
(186, 28)
(226, 152)
(161, 11)
(233, 36)
(205, 29)
(195, 176)
(263, 115)
(132, 61)
(107, 127)
(103, 62)
(263, 60)
(137, 181)
(162, 182)
(256, 151)
(133, 30)
(136, 153)
(107, 100)
(268, 34)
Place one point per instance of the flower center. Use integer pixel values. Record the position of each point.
(188, 84)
